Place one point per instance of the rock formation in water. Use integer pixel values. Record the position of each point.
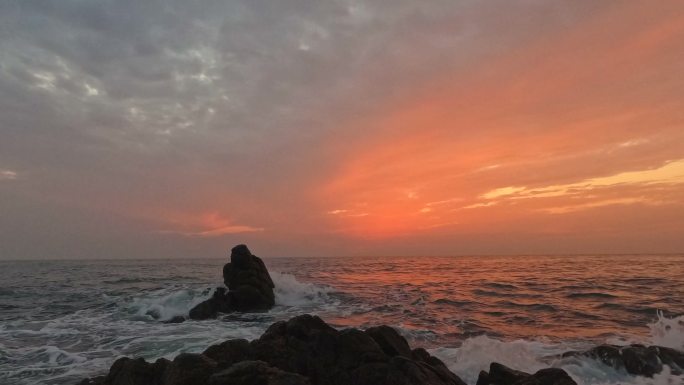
(502, 375)
(301, 351)
(250, 287)
(636, 359)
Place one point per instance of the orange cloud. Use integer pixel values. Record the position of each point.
(206, 225)
(572, 119)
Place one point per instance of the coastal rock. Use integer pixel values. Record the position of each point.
(502, 375)
(636, 359)
(126, 371)
(308, 346)
(250, 287)
(256, 372)
(301, 351)
(230, 352)
(390, 341)
(188, 369)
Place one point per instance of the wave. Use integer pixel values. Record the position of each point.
(164, 304)
(477, 353)
(291, 292)
(597, 295)
(668, 332)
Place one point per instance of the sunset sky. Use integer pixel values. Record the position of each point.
(134, 129)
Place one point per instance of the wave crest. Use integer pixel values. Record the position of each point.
(291, 292)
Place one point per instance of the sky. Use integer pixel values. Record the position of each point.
(176, 129)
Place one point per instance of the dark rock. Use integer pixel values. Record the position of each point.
(308, 346)
(390, 341)
(302, 351)
(175, 320)
(220, 302)
(437, 365)
(250, 287)
(502, 375)
(636, 359)
(550, 376)
(256, 372)
(126, 371)
(93, 381)
(483, 378)
(230, 352)
(189, 369)
(247, 278)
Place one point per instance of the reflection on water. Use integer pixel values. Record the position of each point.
(560, 297)
(64, 320)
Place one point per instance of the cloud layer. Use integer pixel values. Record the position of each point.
(174, 128)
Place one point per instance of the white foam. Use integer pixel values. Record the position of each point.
(477, 353)
(668, 332)
(291, 292)
(165, 304)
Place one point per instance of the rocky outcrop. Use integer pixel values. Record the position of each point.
(502, 375)
(636, 359)
(250, 287)
(301, 351)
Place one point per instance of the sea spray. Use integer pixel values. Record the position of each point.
(668, 332)
(291, 292)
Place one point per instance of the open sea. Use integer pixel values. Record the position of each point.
(61, 321)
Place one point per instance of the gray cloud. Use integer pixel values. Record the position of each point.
(106, 105)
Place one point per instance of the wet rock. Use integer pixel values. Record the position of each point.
(308, 346)
(126, 371)
(301, 351)
(230, 352)
(189, 369)
(390, 341)
(636, 359)
(256, 372)
(93, 381)
(175, 320)
(502, 375)
(250, 287)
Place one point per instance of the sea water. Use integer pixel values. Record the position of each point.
(61, 321)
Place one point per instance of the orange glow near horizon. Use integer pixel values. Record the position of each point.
(527, 139)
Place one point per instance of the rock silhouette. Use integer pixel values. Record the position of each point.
(502, 375)
(636, 359)
(301, 351)
(250, 287)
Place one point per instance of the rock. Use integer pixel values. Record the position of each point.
(636, 359)
(220, 302)
(126, 371)
(93, 381)
(502, 375)
(230, 352)
(302, 351)
(390, 341)
(306, 351)
(247, 278)
(550, 376)
(256, 372)
(189, 369)
(308, 346)
(175, 320)
(249, 284)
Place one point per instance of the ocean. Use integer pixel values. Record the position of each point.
(61, 321)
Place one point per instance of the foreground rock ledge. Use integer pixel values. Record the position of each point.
(249, 284)
(306, 351)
